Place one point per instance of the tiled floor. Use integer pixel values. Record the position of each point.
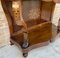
(10, 52)
(50, 51)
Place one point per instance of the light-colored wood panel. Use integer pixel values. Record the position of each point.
(56, 1)
(47, 0)
(47, 9)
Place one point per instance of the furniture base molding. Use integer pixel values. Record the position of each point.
(37, 45)
(26, 50)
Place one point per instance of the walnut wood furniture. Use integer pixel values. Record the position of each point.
(36, 29)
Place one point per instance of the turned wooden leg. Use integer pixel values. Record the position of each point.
(50, 40)
(25, 45)
(25, 53)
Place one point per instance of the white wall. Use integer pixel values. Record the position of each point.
(4, 29)
(56, 14)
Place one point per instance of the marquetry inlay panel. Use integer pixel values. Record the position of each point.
(16, 11)
(34, 13)
(31, 9)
